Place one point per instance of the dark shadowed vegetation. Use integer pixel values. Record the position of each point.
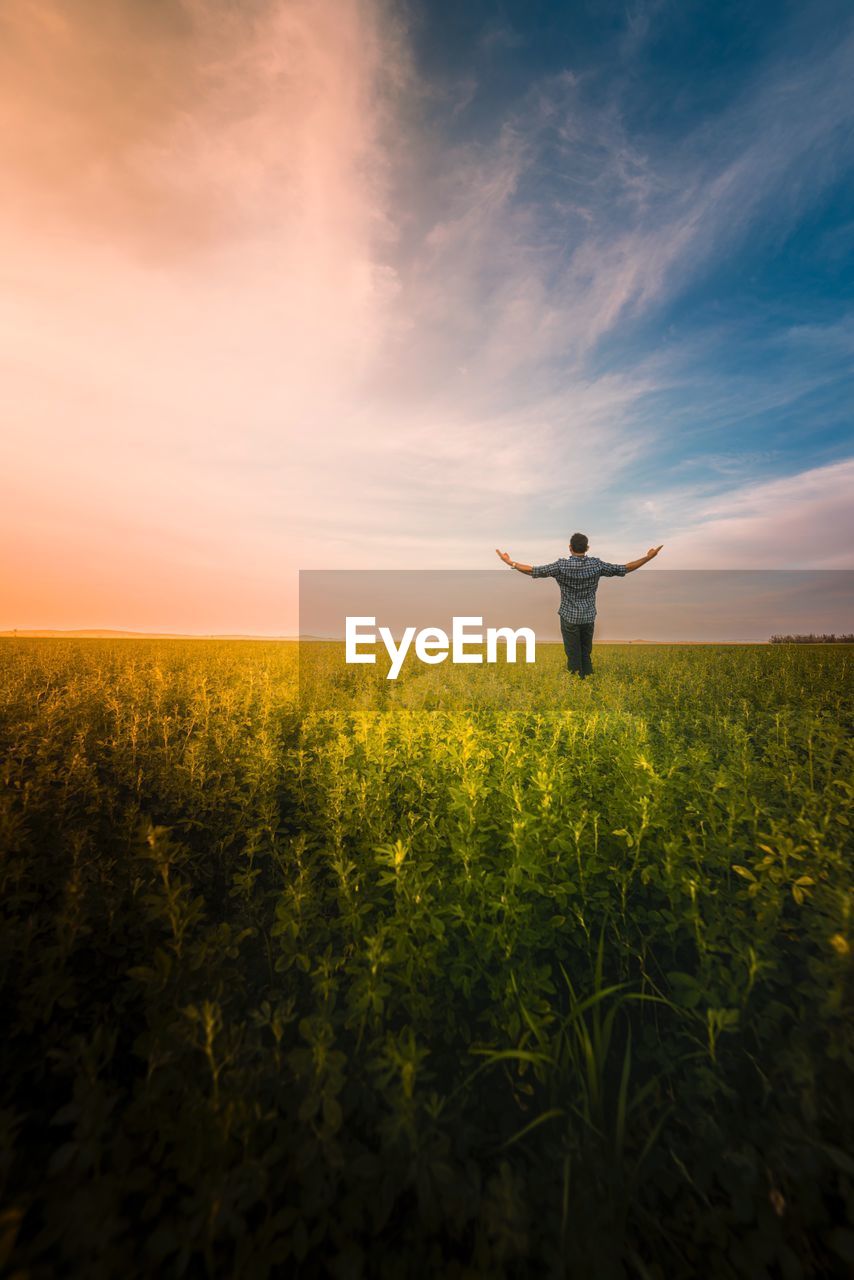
(557, 985)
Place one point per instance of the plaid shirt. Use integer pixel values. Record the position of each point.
(578, 579)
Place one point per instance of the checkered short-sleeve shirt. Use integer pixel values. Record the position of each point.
(578, 579)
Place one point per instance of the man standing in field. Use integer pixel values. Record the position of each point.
(578, 579)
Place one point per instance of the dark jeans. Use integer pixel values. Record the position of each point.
(578, 643)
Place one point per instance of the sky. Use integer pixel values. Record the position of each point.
(362, 284)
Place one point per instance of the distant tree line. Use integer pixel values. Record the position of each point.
(813, 639)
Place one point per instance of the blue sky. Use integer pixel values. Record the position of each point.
(678, 192)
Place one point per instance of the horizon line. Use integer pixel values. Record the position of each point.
(107, 633)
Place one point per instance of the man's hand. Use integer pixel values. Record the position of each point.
(638, 564)
(514, 564)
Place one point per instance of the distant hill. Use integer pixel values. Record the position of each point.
(92, 634)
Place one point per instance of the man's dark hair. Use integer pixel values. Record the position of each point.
(579, 542)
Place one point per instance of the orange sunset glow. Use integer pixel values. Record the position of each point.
(191, 297)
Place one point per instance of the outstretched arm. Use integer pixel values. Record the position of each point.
(514, 564)
(638, 564)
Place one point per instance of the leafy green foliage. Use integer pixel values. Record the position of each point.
(480, 974)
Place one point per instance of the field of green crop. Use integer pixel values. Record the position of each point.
(454, 976)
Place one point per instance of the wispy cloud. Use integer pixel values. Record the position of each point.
(555, 229)
(803, 521)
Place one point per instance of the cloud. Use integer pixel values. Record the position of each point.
(195, 286)
(534, 246)
(802, 521)
(168, 127)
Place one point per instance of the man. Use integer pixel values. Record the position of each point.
(578, 579)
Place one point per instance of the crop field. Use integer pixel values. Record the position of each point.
(461, 976)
